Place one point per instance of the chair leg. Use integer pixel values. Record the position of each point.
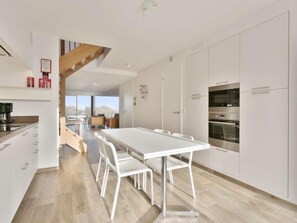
(144, 176)
(192, 182)
(152, 188)
(134, 176)
(115, 199)
(138, 181)
(170, 177)
(104, 185)
(98, 170)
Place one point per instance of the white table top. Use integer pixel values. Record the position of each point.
(150, 144)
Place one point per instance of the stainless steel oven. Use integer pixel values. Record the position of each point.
(224, 96)
(223, 129)
(223, 116)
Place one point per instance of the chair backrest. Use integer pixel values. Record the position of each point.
(101, 145)
(111, 155)
(185, 137)
(162, 131)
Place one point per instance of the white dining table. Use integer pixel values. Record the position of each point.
(150, 144)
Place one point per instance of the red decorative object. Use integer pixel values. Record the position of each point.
(30, 81)
(45, 82)
(46, 66)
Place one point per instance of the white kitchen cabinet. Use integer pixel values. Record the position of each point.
(197, 126)
(224, 161)
(18, 164)
(21, 158)
(224, 62)
(264, 55)
(197, 101)
(264, 140)
(5, 187)
(197, 73)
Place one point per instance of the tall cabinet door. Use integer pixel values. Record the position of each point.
(224, 62)
(197, 101)
(264, 106)
(197, 126)
(264, 140)
(264, 55)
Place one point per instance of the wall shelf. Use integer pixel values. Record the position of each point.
(24, 93)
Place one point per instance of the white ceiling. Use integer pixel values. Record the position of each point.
(140, 41)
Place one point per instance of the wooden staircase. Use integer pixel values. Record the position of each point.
(78, 58)
(69, 64)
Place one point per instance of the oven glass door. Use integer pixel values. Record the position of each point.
(224, 98)
(224, 130)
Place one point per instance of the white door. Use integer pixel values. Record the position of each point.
(172, 100)
(128, 105)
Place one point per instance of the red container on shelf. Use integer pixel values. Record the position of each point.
(30, 81)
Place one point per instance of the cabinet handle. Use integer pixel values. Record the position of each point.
(35, 144)
(222, 150)
(35, 135)
(25, 134)
(4, 147)
(261, 88)
(222, 82)
(176, 112)
(261, 92)
(36, 151)
(195, 96)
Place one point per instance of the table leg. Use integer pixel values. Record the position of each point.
(164, 186)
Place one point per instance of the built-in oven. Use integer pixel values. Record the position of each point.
(223, 130)
(224, 95)
(223, 116)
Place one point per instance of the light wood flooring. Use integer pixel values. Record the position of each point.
(72, 195)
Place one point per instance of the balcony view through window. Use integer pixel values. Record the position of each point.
(78, 107)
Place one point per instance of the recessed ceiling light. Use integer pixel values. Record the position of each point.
(128, 65)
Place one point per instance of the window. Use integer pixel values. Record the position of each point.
(106, 105)
(77, 107)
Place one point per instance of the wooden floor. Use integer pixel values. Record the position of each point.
(72, 195)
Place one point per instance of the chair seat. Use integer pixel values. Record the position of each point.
(172, 164)
(131, 167)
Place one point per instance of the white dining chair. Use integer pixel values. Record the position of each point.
(123, 169)
(174, 164)
(101, 147)
(135, 155)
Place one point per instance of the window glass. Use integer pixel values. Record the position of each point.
(70, 104)
(77, 107)
(83, 106)
(106, 105)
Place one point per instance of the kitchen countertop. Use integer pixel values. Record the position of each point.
(26, 121)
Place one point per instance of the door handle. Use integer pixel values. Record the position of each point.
(176, 112)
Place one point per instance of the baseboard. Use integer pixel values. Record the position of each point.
(48, 169)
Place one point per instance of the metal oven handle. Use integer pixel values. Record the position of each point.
(223, 123)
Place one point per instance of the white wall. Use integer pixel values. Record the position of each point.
(147, 113)
(293, 103)
(48, 111)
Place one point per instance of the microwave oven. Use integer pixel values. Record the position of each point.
(224, 95)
